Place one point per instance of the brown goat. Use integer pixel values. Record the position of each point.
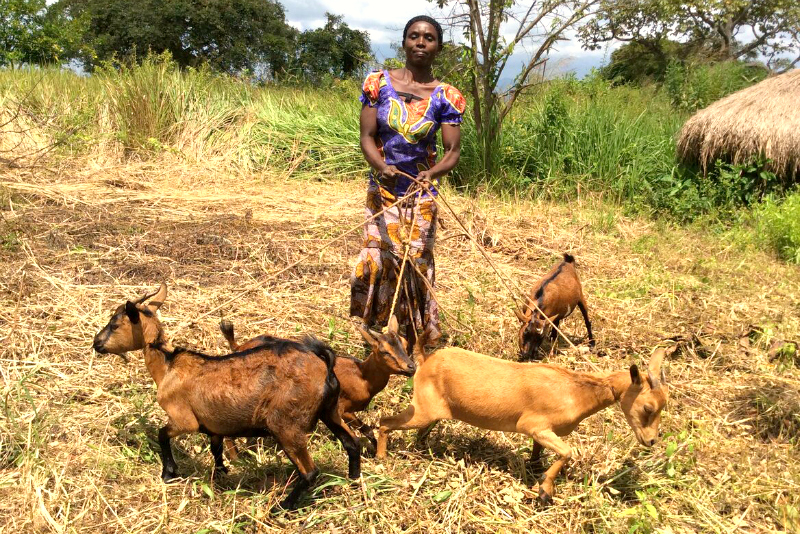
(280, 388)
(557, 294)
(542, 401)
(359, 380)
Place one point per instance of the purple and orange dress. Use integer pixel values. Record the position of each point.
(406, 138)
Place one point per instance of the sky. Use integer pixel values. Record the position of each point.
(384, 22)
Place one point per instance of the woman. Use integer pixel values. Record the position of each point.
(401, 112)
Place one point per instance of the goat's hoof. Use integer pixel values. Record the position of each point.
(168, 477)
(221, 469)
(284, 506)
(544, 497)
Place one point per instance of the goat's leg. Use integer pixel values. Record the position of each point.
(549, 440)
(411, 417)
(536, 452)
(535, 459)
(357, 425)
(181, 421)
(585, 313)
(295, 448)
(169, 471)
(231, 450)
(216, 450)
(349, 441)
(554, 332)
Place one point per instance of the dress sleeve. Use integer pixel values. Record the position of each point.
(371, 89)
(453, 105)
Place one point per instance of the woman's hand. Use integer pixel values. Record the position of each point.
(426, 178)
(389, 171)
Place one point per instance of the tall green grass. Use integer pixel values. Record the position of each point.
(564, 138)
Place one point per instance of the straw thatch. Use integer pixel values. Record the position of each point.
(762, 120)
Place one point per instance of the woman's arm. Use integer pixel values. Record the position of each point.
(451, 139)
(368, 123)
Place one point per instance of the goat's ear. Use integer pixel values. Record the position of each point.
(393, 326)
(132, 312)
(368, 336)
(158, 298)
(636, 378)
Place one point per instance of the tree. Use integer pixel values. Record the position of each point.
(721, 29)
(229, 35)
(333, 50)
(484, 23)
(636, 62)
(30, 32)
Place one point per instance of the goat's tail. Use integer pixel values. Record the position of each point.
(226, 327)
(569, 258)
(325, 353)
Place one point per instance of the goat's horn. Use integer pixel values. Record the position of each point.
(146, 296)
(654, 382)
(520, 315)
(656, 359)
(159, 297)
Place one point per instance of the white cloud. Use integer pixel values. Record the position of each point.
(385, 27)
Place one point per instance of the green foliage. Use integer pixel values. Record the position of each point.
(566, 138)
(641, 62)
(335, 50)
(229, 35)
(778, 225)
(734, 29)
(695, 86)
(33, 33)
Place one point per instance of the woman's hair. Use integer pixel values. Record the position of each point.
(429, 20)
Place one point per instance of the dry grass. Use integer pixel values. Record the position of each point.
(77, 431)
(760, 120)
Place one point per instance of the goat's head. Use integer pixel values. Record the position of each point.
(390, 349)
(531, 333)
(133, 325)
(643, 401)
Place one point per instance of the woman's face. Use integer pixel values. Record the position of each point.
(421, 44)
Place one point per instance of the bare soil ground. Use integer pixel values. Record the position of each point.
(77, 430)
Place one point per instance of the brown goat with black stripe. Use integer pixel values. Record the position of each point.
(556, 295)
(279, 388)
(359, 380)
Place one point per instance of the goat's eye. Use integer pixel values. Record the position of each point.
(648, 409)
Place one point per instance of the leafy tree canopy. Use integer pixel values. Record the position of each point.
(334, 50)
(229, 35)
(30, 32)
(719, 29)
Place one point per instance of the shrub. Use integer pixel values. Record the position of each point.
(778, 225)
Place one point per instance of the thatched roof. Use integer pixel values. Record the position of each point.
(763, 119)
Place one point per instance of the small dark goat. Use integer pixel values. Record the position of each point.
(360, 380)
(556, 295)
(279, 388)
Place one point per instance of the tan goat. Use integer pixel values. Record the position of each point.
(545, 402)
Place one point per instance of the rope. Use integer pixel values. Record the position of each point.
(407, 246)
(261, 282)
(483, 252)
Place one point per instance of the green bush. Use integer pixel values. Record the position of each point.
(692, 86)
(778, 225)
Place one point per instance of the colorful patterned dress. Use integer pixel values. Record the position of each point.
(406, 139)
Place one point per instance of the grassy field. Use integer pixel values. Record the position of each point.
(101, 201)
(78, 429)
